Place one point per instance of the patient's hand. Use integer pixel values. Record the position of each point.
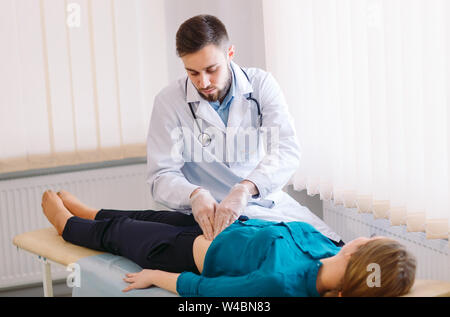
(147, 278)
(142, 279)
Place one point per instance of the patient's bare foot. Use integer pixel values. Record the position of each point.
(76, 207)
(55, 211)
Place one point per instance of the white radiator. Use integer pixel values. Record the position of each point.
(433, 256)
(20, 211)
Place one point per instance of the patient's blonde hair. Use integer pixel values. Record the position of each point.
(397, 270)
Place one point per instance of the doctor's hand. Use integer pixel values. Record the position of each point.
(231, 207)
(203, 207)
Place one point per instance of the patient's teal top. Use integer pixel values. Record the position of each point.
(260, 258)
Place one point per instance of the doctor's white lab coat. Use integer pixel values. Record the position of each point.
(268, 156)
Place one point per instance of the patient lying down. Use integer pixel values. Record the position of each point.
(249, 258)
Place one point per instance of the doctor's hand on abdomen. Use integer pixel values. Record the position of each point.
(231, 207)
(204, 207)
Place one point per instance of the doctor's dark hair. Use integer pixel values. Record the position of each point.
(199, 31)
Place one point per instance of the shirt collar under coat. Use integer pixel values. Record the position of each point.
(207, 113)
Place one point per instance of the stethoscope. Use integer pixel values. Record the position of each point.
(204, 138)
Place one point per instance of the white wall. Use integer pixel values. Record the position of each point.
(243, 20)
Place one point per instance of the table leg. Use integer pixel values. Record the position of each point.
(47, 278)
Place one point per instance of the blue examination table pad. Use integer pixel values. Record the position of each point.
(102, 276)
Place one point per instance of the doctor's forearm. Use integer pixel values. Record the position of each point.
(251, 187)
(171, 189)
(273, 172)
(194, 191)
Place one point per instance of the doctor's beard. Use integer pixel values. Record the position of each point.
(220, 95)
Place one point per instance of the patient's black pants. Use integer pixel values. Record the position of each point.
(160, 240)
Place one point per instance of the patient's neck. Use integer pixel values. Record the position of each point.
(330, 273)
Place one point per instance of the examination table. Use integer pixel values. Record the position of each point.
(101, 273)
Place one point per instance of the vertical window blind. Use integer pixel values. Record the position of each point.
(77, 80)
(368, 83)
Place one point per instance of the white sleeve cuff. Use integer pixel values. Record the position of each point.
(261, 182)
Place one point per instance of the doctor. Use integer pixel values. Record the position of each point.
(221, 143)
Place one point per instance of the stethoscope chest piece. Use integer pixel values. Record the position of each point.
(204, 139)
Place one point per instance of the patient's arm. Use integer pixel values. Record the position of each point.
(254, 284)
(167, 280)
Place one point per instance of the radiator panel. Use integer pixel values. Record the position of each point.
(433, 256)
(20, 211)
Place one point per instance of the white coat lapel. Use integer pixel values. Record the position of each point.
(237, 111)
(240, 105)
(207, 113)
(203, 109)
